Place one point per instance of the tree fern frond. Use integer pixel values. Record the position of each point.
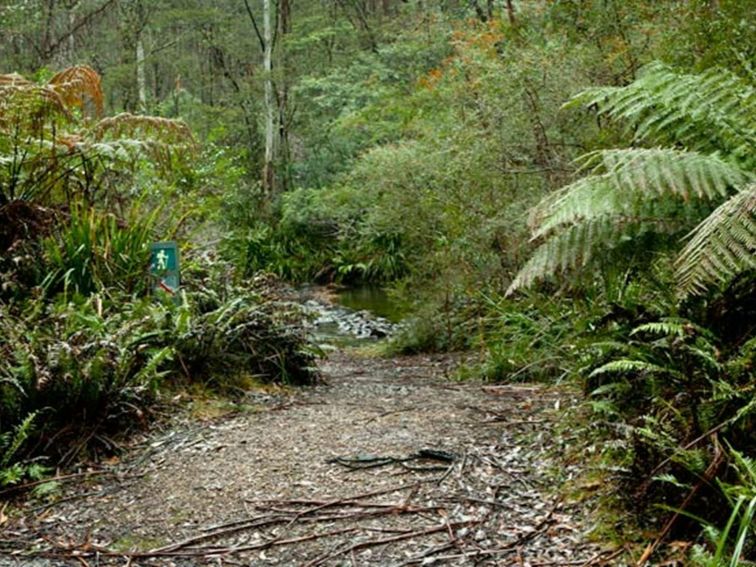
(14, 80)
(23, 101)
(722, 246)
(576, 245)
(161, 138)
(77, 86)
(126, 125)
(629, 192)
(712, 112)
(627, 181)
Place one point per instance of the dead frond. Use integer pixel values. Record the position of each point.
(79, 86)
(126, 125)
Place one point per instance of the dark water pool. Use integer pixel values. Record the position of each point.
(373, 299)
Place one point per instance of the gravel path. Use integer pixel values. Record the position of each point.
(387, 463)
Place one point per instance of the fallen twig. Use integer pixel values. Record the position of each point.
(707, 477)
(382, 541)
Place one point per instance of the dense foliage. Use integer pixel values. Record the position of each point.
(88, 347)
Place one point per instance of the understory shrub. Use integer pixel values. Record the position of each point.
(87, 367)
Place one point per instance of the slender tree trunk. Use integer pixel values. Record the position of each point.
(284, 28)
(510, 12)
(268, 174)
(133, 21)
(141, 75)
(70, 56)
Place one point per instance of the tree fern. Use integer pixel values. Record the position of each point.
(722, 246)
(710, 112)
(50, 137)
(708, 123)
(624, 182)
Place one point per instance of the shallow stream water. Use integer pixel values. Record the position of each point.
(350, 316)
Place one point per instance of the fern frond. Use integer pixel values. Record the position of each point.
(625, 182)
(13, 80)
(21, 433)
(715, 111)
(575, 246)
(160, 138)
(629, 366)
(666, 328)
(722, 246)
(126, 125)
(629, 192)
(23, 101)
(77, 86)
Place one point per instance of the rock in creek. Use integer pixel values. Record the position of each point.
(358, 324)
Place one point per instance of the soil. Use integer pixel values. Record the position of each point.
(389, 461)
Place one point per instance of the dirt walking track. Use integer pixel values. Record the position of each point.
(388, 462)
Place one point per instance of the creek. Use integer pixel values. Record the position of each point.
(350, 316)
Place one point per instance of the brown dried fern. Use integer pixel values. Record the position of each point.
(126, 125)
(77, 86)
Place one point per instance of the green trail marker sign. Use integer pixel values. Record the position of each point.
(164, 266)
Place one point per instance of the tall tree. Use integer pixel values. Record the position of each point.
(270, 111)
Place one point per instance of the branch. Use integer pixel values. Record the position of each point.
(76, 27)
(254, 24)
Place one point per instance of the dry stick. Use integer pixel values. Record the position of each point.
(337, 501)
(687, 446)
(199, 552)
(374, 542)
(707, 476)
(429, 552)
(604, 560)
(349, 503)
(290, 541)
(504, 549)
(600, 558)
(239, 525)
(231, 529)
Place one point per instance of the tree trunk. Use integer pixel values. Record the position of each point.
(268, 174)
(284, 28)
(141, 75)
(133, 21)
(510, 12)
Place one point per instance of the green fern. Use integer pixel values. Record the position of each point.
(711, 112)
(628, 366)
(11, 442)
(722, 246)
(708, 123)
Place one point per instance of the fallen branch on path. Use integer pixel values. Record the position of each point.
(351, 509)
(507, 548)
(361, 462)
(382, 541)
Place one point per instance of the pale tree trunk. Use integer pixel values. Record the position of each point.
(270, 110)
(132, 24)
(283, 151)
(71, 40)
(141, 75)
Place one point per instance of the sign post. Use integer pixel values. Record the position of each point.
(165, 267)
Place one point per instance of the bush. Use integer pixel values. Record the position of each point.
(96, 365)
